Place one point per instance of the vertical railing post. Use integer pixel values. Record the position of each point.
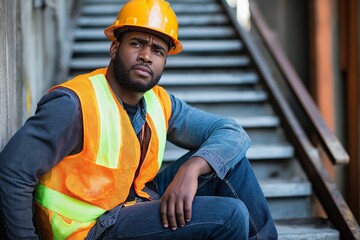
(242, 9)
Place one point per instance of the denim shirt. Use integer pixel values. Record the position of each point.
(55, 131)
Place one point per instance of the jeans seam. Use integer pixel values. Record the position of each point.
(207, 179)
(231, 189)
(237, 197)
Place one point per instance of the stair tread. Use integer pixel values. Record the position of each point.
(285, 188)
(258, 121)
(209, 61)
(200, 19)
(188, 46)
(172, 62)
(206, 32)
(208, 78)
(307, 228)
(256, 152)
(270, 152)
(179, 8)
(221, 96)
(184, 33)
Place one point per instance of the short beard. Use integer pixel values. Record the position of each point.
(122, 77)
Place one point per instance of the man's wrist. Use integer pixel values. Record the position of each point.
(198, 166)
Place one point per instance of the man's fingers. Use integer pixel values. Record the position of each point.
(163, 214)
(188, 210)
(171, 215)
(175, 213)
(168, 215)
(180, 213)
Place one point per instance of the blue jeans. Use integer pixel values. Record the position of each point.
(232, 208)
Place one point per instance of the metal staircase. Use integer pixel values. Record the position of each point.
(216, 73)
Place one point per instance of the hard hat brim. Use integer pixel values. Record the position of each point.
(109, 33)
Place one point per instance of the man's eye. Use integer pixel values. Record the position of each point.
(158, 52)
(135, 44)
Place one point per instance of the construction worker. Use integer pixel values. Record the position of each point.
(88, 161)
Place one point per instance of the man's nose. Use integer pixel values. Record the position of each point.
(145, 55)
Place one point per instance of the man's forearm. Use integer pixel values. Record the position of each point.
(219, 140)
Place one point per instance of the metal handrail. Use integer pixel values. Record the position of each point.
(330, 143)
(328, 140)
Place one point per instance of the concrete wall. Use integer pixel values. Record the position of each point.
(33, 45)
(10, 86)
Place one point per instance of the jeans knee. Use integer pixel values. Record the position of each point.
(237, 222)
(237, 218)
(241, 212)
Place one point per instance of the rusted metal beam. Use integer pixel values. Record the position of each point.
(350, 56)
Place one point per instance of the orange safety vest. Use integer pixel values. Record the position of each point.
(82, 187)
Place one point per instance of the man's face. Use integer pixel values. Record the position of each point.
(139, 61)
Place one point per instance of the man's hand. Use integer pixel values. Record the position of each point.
(176, 203)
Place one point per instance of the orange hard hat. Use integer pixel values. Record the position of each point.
(155, 15)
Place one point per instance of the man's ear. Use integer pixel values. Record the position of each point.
(114, 49)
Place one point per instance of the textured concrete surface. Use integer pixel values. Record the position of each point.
(34, 38)
(10, 117)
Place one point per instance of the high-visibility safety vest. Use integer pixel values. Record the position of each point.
(82, 187)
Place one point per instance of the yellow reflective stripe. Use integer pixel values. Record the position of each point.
(61, 229)
(154, 109)
(67, 206)
(109, 145)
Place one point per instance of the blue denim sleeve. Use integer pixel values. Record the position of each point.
(221, 141)
(45, 138)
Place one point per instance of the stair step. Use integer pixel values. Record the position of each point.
(201, 19)
(212, 45)
(208, 78)
(259, 122)
(221, 96)
(270, 152)
(308, 228)
(179, 8)
(207, 62)
(285, 188)
(254, 153)
(207, 32)
(172, 62)
(188, 46)
(184, 33)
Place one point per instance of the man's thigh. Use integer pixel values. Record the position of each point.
(212, 218)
